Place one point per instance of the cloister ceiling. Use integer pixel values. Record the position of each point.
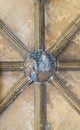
(19, 16)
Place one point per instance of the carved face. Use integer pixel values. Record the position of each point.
(44, 58)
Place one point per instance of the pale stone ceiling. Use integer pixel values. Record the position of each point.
(19, 15)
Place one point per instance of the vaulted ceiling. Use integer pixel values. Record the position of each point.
(19, 16)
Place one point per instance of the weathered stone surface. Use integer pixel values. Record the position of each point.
(20, 115)
(19, 15)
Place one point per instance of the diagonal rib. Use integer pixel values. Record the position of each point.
(73, 100)
(11, 66)
(40, 106)
(69, 65)
(16, 42)
(66, 36)
(14, 93)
